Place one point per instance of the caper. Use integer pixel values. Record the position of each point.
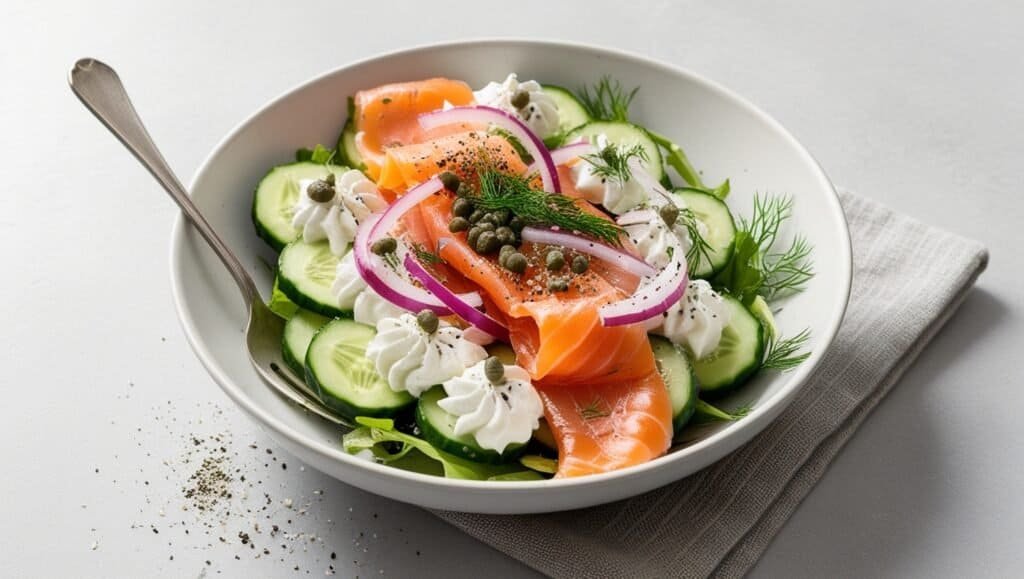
(384, 245)
(428, 321)
(320, 191)
(670, 213)
(450, 181)
(520, 99)
(486, 225)
(580, 263)
(506, 251)
(505, 235)
(492, 218)
(458, 224)
(473, 235)
(557, 284)
(515, 262)
(464, 190)
(555, 260)
(502, 216)
(330, 178)
(462, 207)
(516, 224)
(486, 242)
(476, 215)
(494, 370)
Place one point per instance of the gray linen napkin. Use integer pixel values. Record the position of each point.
(908, 280)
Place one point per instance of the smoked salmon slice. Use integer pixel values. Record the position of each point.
(407, 165)
(386, 116)
(605, 427)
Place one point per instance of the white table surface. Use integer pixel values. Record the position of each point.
(917, 105)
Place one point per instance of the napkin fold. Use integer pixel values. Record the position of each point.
(908, 280)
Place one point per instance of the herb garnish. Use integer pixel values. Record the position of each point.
(608, 102)
(700, 250)
(515, 142)
(593, 410)
(319, 154)
(423, 255)
(612, 162)
(755, 269)
(783, 354)
(500, 190)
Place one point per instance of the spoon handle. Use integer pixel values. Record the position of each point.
(100, 90)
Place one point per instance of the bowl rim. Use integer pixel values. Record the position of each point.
(732, 436)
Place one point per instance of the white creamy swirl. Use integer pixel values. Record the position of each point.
(367, 306)
(540, 114)
(355, 197)
(497, 415)
(413, 360)
(614, 194)
(697, 320)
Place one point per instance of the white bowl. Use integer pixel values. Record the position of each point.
(724, 135)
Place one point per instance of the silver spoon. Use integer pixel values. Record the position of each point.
(100, 90)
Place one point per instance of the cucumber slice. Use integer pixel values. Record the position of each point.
(675, 371)
(544, 436)
(305, 272)
(348, 153)
(571, 113)
(273, 204)
(438, 428)
(737, 357)
(338, 370)
(624, 135)
(714, 213)
(298, 333)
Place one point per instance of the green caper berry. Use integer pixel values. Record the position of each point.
(384, 246)
(520, 99)
(486, 225)
(516, 224)
(476, 215)
(450, 181)
(330, 178)
(557, 284)
(486, 242)
(490, 218)
(580, 263)
(555, 260)
(464, 190)
(428, 321)
(494, 370)
(473, 235)
(669, 213)
(458, 224)
(515, 262)
(506, 251)
(462, 207)
(320, 191)
(505, 235)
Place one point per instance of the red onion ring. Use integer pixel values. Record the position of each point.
(607, 253)
(460, 308)
(655, 295)
(490, 115)
(382, 278)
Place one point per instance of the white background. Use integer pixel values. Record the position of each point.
(917, 104)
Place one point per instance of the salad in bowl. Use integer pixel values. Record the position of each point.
(518, 282)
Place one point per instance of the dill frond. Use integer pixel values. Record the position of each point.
(500, 190)
(612, 162)
(785, 354)
(607, 100)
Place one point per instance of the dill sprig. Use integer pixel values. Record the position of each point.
(593, 410)
(755, 269)
(785, 354)
(423, 255)
(500, 190)
(700, 250)
(612, 162)
(607, 100)
(784, 272)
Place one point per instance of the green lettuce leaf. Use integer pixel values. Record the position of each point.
(401, 450)
(318, 154)
(280, 304)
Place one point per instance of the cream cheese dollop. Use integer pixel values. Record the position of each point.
(616, 195)
(367, 306)
(540, 113)
(697, 320)
(355, 198)
(413, 360)
(497, 415)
